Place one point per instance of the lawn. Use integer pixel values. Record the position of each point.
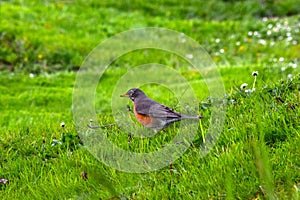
(43, 155)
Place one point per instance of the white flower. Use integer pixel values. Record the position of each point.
(256, 34)
(243, 86)
(249, 91)
(55, 141)
(281, 59)
(290, 76)
(4, 181)
(31, 75)
(262, 42)
(250, 33)
(238, 43)
(255, 73)
(270, 26)
(189, 56)
(217, 40)
(289, 38)
(222, 50)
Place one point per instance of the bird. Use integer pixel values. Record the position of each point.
(152, 114)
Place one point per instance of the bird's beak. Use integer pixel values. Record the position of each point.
(124, 95)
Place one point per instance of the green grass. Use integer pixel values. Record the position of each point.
(257, 154)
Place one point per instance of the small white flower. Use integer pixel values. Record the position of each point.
(31, 75)
(250, 33)
(243, 86)
(290, 76)
(238, 43)
(294, 42)
(256, 34)
(55, 141)
(222, 50)
(62, 124)
(4, 181)
(217, 40)
(189, 56)
(275, 29)
(270, 26)
(255, 73)
(249, 91)
(283, 69)
(272, 43)
(281, 59)
(269, 32)
(262, 42)
(294, 65)
(289, 38)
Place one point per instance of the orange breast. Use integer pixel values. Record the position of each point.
(143, 119)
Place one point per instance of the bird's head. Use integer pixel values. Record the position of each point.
(133, 94)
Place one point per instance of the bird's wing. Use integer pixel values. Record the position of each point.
(153, 109)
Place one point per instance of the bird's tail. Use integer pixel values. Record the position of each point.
(191, 117)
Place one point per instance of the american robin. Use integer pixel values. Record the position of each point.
(152, 114)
